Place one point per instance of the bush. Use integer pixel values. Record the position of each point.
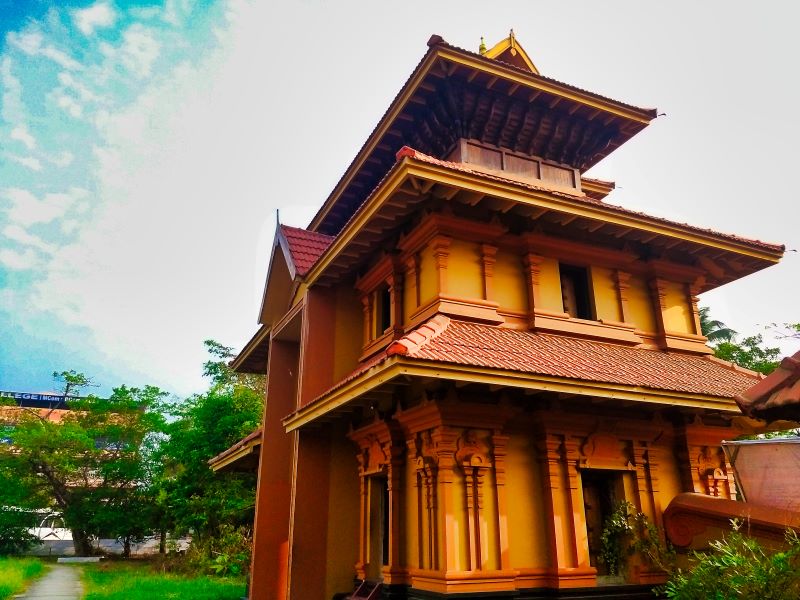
(228, 553)
(14, 535)
(739, 567)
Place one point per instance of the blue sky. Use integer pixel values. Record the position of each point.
(144, 149)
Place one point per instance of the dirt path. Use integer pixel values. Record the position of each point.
(60, 583)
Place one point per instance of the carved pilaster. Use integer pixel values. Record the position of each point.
(474, 459)
(488, 259)
(622, 280)
(658, 294)
(395, 283)
(441, 252)
(412, 279)
(578, 520)
(533, 264)
(366, 305)
(500, 445)
(693, 291)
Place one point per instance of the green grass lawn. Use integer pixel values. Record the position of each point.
(136, 581)
(15, 572)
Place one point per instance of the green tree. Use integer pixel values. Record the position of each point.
(751, 354)
(91, 465)
(193, 498)
(715, 330)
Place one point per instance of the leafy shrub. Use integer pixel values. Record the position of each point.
(14, 535)
(225, 554)
(625, 533)
(739, 567)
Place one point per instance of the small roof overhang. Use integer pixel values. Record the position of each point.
(777, 397)
(242, 456)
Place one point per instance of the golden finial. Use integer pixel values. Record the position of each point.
(482, 47)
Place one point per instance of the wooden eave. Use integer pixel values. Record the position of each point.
(597, 188)
(242, 456)
(454, 94)
(253, 357)
(412, 181)
(399, 368)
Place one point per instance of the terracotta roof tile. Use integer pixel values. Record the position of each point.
(305, 246)
(777, 396)
(444, 340)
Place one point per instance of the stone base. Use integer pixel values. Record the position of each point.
(607, 592)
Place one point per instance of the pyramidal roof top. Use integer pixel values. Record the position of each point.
(510, 51)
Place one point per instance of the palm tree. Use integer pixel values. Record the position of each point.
(716, 331)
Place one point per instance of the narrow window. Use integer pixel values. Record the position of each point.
(575, 291)
(383, 310)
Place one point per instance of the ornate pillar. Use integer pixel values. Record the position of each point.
(500, 444)
(411, 280)
(579, 533)
(533, 263)
(658, 293)
(622, 280)
(488, 259)
(441, 252)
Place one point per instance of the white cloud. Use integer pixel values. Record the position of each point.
(69, 104)
(139, 50)
(175, 11)
(18, 261)
(62, 160)
(31, 162)
(97, 16)
(32, 43)
(22, 236)
(21, 134)
(26, 209)
(68, 226)
(13, 111)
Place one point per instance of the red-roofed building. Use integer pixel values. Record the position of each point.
(472, 356)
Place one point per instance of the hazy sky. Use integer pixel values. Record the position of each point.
(144, 148)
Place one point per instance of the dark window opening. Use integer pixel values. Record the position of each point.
(602, 491)
(575, 292)
(383, 311)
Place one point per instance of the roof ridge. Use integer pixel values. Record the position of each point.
(734, 367)
(419, 336)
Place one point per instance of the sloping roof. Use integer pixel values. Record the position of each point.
(446, 340)
(245, 451)
(472, 170)
(777, 396)
(305, 246)
(436, 42)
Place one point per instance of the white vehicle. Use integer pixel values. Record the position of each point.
(51, 528)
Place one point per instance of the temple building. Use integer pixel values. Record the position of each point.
(472, 356)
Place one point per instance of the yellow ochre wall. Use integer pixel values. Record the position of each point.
(640, 305)
(343, 511)
(510, 287)
(606, 299)
(347, 334)
(464, 272)
(527, 537)
(677, 316)
(428, 282)
(550, 286)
